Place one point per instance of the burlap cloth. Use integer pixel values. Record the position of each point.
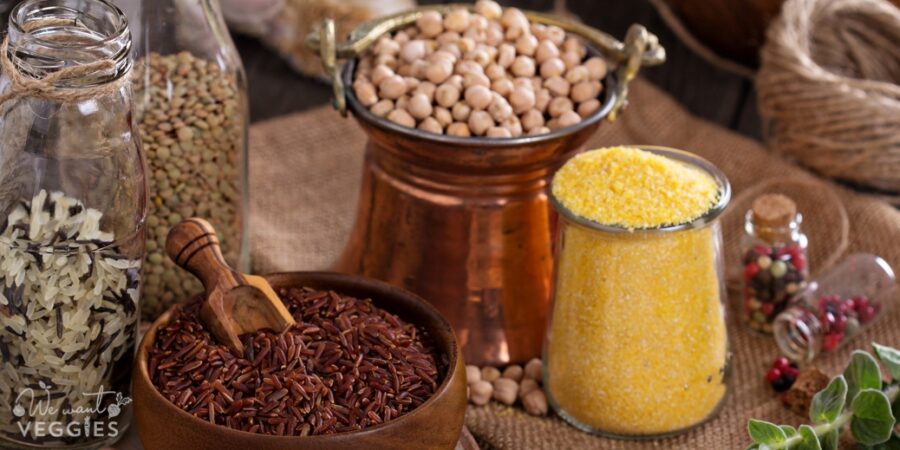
(304, 179)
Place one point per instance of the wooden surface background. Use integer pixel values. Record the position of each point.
(705, 90)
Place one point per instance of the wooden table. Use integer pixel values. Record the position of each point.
(705, 90)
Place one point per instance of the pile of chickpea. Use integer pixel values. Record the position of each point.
(489, 73)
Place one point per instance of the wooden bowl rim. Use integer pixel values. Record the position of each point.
(141, 361)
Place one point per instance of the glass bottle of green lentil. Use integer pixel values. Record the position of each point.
(191, 96)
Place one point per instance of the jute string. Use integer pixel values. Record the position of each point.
(22, 85)
(829, 87)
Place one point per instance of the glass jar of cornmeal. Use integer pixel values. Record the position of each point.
(637, 344)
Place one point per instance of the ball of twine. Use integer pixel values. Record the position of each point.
(829, 89)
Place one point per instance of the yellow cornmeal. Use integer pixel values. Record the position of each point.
(638, 343)
(632, 188)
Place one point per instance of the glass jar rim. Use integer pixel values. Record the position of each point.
(119, 31)
(679, 155)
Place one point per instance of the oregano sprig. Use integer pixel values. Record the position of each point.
(858, 398)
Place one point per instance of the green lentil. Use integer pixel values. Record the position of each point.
(190, 121)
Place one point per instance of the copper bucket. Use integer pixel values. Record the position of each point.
(465, 222)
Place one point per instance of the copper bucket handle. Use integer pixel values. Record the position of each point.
(641, 48)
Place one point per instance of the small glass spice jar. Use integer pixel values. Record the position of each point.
(191, 108)
(836, 307)
(773, 252)
(73, 200)
(637, 345)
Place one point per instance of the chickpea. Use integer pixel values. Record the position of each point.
(419, 106)
(401, 102)
(532, 119)
(426, 88)
(405, 70)
(553, 124)
(499, 108)
(569, 118)
(411, 83)
(386, 46)
(480, 56)
(478, 96)
(457, 20)
(534, 369)
(466, 44)
(489, 9)
(475, 34)
(491, 51)
(506, 55)
(577, 74)
(413, 50)
(538, 130)
(516, 31)
(448, 37)
(476, 79)
(392, 87)
(382, 108)
(365, 92)
(596, 67)
(444, 54)
(430, 23)
(513, 125)
(502, 86)
(583, 91)
(380, 72)
(542, 99)
(558, 86)
(446, 95)
(439, 71)
(452, 49)
(514, 17)
(455, 80)
(589, 107)
(461, 112)
(401, 117)
(478, 22)
(537, 83)
(420, 69)
(479, 122)
(465, 67)
(522, 100)
(524, 83)
(558, 106)
(552, 67)
(523, 66)
(401, 37)
(458, 129)
(571, 59)
(498, 132)
(386, 60)
(546, 50)
(442, 115)
(431, 125)
(526, 44)
(481, 391)
(539, 31)
(572, 44)
(556, 35)
(495, 71)
(493, 35)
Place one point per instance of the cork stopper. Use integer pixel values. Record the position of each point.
(773, 211)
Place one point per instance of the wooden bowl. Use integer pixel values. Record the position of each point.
(436, 424)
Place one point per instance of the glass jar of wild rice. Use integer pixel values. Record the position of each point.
(72, 208)
(191, 105)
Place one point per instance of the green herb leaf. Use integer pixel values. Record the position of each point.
(829, 440)
(892, 444)
(890, 357)
(808, 439)
(862, 373)
(767, 433)
(872, 421)
(789, 431)
(829, 402)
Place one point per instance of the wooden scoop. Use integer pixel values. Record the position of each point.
(236, 303)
